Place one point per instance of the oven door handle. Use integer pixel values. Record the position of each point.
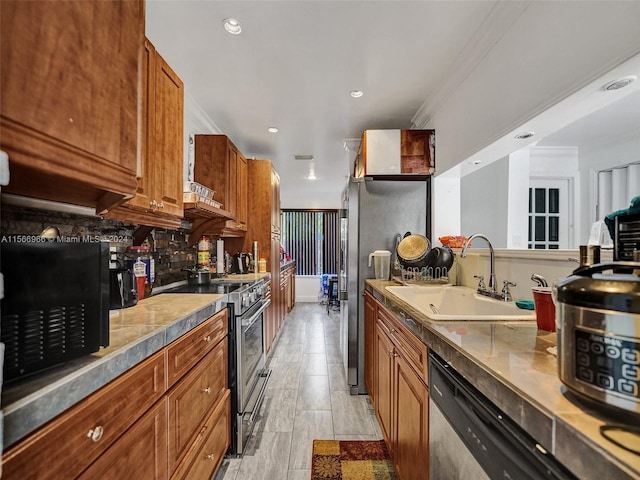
(255, 316)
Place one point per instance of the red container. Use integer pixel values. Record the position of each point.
(140, 282)
(545, 309)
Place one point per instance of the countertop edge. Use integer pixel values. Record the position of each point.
(27, 414)
(533, 417)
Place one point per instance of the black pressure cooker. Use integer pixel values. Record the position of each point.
(598, 314)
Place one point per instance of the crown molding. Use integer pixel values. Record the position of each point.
(500, 19)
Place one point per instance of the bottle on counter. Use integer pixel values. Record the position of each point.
(204, 253)
(262, 265)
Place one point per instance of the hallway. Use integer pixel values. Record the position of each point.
(307, 398)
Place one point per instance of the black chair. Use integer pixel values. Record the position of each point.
(332, 299)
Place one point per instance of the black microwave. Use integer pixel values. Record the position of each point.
(56, 302)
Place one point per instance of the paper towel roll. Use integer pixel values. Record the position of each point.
(220, 256)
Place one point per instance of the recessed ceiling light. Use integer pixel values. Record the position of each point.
(272, 130)
(619, 83)
(522, 136)
(232, 26)
(356, 93)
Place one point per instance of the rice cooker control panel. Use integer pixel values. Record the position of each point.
(610, 363)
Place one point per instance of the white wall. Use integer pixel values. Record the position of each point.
(518, 199)
(617, 153)
(445, 207)
(196, 121)
(307, 288)
(517, 266)
(551, 51)
(484, 200)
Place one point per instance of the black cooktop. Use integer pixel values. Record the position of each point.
(218, 286)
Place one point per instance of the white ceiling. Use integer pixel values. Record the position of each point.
(295, 64)
(296, 61)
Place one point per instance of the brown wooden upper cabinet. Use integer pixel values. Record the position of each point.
(158, 200)
(219, 165)
(69, 76)
(396, 152)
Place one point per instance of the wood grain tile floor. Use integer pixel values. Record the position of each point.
(307, 398)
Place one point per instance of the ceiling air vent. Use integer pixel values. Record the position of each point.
(304, 157)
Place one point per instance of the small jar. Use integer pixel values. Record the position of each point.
(262, 265)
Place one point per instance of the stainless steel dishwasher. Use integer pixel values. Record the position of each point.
(469, 437)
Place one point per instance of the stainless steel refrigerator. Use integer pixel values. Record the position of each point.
(373, 213)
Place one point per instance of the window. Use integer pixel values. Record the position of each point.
(311, 238)
(548, 214)
(616, 189)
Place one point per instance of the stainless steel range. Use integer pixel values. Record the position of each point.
(248, 376)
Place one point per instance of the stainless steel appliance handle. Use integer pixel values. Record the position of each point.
(254, 317)
(256, 409)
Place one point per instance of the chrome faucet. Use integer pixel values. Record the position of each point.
(489, 291)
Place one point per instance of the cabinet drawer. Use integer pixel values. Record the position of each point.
(192, 399)
(210, 446)
(141, 453)
(410, 346)
(185, 352)
(72, 441)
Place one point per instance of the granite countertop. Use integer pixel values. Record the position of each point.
(287, 264)
(135, 334)
(510, 364)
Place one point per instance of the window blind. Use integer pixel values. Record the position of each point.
(616, 188)
(311, 238)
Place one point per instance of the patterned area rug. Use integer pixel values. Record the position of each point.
(351, 460)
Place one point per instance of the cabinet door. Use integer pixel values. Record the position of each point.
(144, 192)
(416, 151)
(385, 384)
(72, 441)
(369, 345)
(192, 399)
(141, 453)
(188, 350)
(211, 445)
(232, 181)
(241, 192)
(411, 419)
(275, 203)
(168, 142)
(69, 76)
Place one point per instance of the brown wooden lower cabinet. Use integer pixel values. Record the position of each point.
(210, 446)
(140, 453)
(370, 345)
(139, 426)
(69, 443)
(411, 423)
(400, 395)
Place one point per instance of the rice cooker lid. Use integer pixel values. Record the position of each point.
(413, 247)
(591, 288)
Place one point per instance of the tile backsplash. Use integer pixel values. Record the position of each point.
(169, 248)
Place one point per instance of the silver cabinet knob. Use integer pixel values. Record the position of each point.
(207, 391)
(96, 433)
(207, 339)
(211, 456)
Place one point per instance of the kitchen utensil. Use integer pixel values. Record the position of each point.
(197, 277)
(545, 309)
(381, 263)
(413, 250)
(122, 288)
(50, 232)
(442, 258)
(598, 326)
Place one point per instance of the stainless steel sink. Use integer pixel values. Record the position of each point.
(454, 303)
